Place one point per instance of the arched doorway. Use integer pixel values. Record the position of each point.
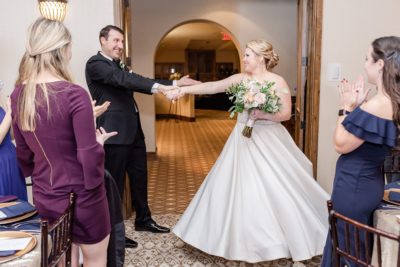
(205, 51)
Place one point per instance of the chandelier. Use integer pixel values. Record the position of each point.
(53, 9)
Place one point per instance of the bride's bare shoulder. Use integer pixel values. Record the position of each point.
(238, 77)
(277, 79)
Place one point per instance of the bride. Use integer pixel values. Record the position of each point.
(260, 201)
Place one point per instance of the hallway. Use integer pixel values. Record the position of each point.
(185, 153)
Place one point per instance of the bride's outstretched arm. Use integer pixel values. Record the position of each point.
(209, 88)
(285, 111)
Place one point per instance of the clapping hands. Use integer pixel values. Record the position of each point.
(352, 94)
(101, 134)
(100, 109)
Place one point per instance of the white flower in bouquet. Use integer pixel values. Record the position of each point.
(260, 99)
(254, 86)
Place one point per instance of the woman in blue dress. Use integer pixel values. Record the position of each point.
(365, 133)
(12, 182)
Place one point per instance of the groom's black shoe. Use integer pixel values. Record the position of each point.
(151, 226)
(129, 243)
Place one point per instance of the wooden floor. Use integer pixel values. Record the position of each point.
(185, 153)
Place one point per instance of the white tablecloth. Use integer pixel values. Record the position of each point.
(31, 259)
(386, 220)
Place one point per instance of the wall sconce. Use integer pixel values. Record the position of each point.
(53, 9)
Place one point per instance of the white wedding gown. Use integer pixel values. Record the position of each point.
(259, 202)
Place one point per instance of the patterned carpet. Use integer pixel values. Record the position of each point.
(164, 250)
(186, 152)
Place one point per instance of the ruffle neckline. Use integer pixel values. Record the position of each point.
(371, 128)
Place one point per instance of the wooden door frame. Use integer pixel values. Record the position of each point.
(312, 89)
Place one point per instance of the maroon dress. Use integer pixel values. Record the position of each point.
(63, 156)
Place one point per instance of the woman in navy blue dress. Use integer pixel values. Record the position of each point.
(12, 182)
(365, 133)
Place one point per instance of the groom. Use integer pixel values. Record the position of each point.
(109, 80)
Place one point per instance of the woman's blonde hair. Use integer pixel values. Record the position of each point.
(46, 50)
(264, 49)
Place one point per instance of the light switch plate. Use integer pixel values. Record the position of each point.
(334, 72)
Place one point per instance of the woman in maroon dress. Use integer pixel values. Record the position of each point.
(56, 140)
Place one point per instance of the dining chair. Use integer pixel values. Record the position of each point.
(353, 232)
(391, 166)
(60, 234)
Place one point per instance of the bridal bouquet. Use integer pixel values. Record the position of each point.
(251, 94)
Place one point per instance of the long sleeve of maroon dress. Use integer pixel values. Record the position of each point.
(63, 156)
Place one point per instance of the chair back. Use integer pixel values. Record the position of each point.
(391, 166)
(60, 233)
(353, 231)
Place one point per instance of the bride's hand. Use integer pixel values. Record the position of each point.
(256, 114)
(174, 94)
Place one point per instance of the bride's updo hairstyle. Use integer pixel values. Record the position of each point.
(264, 49)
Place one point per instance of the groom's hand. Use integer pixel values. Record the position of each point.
(166, 88)
(174, 94)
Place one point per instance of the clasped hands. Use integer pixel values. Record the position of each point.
(172, 92)
(175, 92)
(352, 94)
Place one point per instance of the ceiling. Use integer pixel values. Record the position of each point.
(197, 36)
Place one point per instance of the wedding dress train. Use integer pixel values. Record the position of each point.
(259, 202)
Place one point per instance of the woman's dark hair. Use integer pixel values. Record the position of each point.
(388, 49)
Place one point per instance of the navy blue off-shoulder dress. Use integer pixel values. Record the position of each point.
(359, 184)
(12, 182)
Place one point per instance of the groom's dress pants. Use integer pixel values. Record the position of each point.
(131, 159)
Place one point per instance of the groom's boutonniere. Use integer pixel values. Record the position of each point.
(122, 65)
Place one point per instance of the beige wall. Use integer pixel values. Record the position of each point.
(80, 19)
(84, 19)
(246, 20)
(348, 29)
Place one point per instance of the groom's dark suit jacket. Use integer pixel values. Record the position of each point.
(108, 82)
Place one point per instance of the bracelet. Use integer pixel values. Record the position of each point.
(343, 112)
